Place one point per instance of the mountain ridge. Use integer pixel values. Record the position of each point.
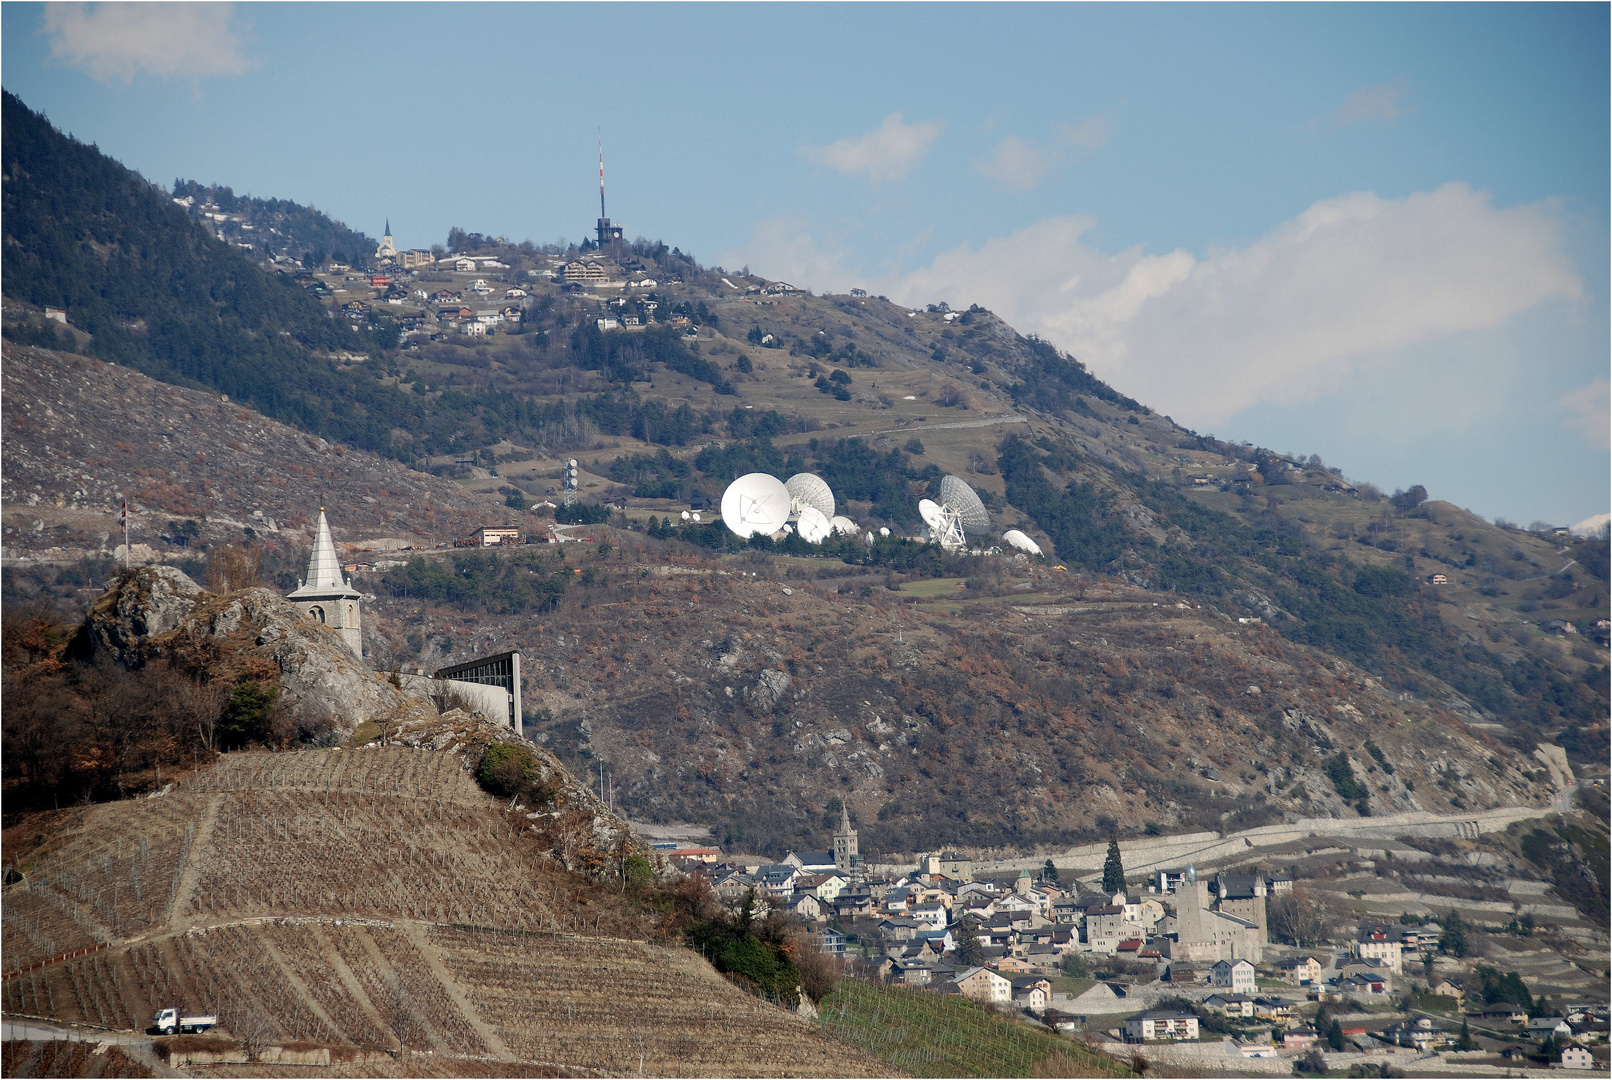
(733, 373)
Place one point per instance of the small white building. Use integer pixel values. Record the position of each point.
(1576, 1057)
(983, 984)
(1161, 1025)
(1239, 975)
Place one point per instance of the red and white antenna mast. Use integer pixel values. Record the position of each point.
(601, 175)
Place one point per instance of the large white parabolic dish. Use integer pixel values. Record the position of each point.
(1017, 539)
(957, 494)
(809, 489)
(812, 526)
(755, 503)
(843, 525)
(930, 512)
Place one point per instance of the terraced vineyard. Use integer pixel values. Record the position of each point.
(372, 898)
(926, 1034)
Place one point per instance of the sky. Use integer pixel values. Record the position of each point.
(1378, 233)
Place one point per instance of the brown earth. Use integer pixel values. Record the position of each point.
(1023, 709)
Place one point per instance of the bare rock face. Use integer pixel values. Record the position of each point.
(148, 604)
(158, 613)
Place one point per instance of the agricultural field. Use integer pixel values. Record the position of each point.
(374, 899)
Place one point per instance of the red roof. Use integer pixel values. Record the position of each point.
(1129, 945)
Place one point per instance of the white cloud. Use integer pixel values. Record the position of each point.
(784, 249)
(1593, 524)
(1589, 410)
(1356, 286)
(1283, 320)
(1089, 134)
(1016, 165)
(122, 40)
(1384, 102)
(1019, 164)
(885, 154)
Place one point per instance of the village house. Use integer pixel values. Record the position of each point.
(1299, 970)
(983, 984)
(1161, 1025)
(1540, 1028)
(1236, 974)
(1576, 1057)
(1032, 993)
(1376, 941)
(1299, 1038)
(1230, 1004)
(1272, 1008)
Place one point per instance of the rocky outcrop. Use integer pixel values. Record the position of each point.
(156, 612)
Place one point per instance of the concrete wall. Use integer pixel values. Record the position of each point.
(1147, 854)
(491, 701)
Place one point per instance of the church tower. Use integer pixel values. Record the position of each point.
(387, 250)
(325, 596)
(845, 853)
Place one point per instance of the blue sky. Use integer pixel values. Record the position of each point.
(1374, 232)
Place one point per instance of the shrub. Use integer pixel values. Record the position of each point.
(248, 714)
(637, 872)
(510, 771)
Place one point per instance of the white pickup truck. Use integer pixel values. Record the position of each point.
(168, 1021)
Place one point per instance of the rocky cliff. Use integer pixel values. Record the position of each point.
(156, 612)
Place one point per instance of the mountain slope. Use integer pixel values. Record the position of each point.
(371, 898)
(731, 373)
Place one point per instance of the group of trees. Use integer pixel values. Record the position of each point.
(79, 726)
(499, 584)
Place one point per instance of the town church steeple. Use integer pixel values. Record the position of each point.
(845, 853)
(387, 250)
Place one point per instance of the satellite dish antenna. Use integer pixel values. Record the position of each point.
(755, 503)
(809, 489)
(696, 515)
(884, 530)
(843, 525)
(959, 513)
(812, 526)
(685, 515)
(571, 464)
(1017, 539)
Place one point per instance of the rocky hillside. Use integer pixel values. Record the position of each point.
(82, 435)
(1027, 708)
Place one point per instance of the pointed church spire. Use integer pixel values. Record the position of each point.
(845, 818)
(388, 227)
(324, 569)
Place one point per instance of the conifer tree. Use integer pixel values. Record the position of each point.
(1113, 869)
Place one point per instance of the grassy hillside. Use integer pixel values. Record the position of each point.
(370, 898)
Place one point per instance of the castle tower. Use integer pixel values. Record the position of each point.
(845, 853)
(325, 596)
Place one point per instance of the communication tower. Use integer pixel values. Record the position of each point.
(608, 233)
